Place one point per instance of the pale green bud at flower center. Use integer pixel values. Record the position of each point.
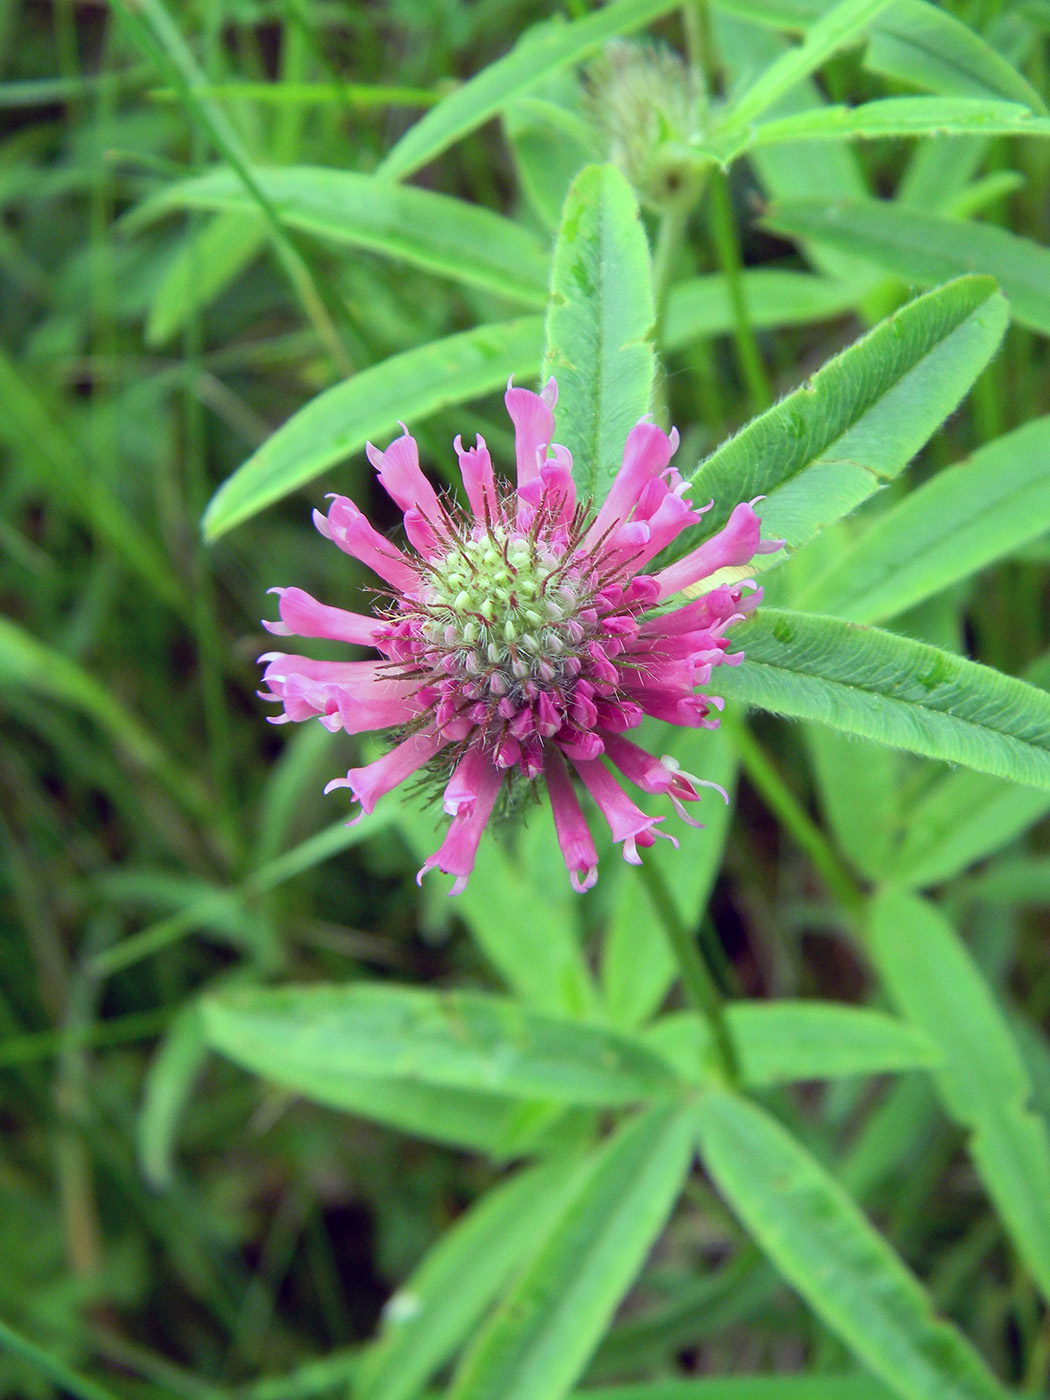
(501, 605)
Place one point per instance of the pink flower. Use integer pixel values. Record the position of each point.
(523, 638)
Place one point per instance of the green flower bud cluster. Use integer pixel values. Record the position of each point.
(644, 101)
(500, 604)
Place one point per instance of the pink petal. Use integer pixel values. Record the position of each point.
(347, 527)
(401, 478)
(626, 821)
(475, 467)
(455, 856)
(533, 427)
(574, 837)
(304, 616)
(736, 543)
(646, 453)
(374, 780)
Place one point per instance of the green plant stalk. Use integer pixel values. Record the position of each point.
(66, 1379)
(698, 981)
(158, 35)
(785, 806)
(727, 249)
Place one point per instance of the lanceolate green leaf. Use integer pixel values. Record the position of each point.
(797, 1387)
(342, 419)
(701, 307)
(540, 52)
(983, 1082)
(839, 26)
(925, 45)
(822, 1244)
(454, 1040)
(857, 423)
(207, 262)
(926, 248)
(955, 524)
(891, 116)
(897, 691)
(540, 1338)
(915, 41)
(600, 325)
(502, 1125)
(427, 1319)
(961, 817)
(466, 242)
(785, 1041)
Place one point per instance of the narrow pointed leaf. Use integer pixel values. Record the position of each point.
(169, 1084)
(982, 1081)
(701, 307)
(948, 529)
(465, 242)
(820, 1241)
(786, 1041)
(343, 418)
(600, 325)
(899, 692)
(839, 26)
(890, 116)
(539, 53)
(926, 248)
(857, 423)
(541, 1336)
(208, 261)
(501, 1125)
(429, 1316)
(453, 1040)
(961, 817)
(796, 1387)
(929, 47)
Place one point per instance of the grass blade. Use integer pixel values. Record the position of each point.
(539, 53)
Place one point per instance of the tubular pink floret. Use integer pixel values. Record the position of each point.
(475, 466)
(645, 455)
(736, 543)
(304, 616)
(522, 639)
(627, 823)
(533, 428)
(475, 795)
(350, 530)
(370, 783)
(574, 836)
(401, 478)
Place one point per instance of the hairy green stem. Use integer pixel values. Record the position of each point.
(698, 981)
(727, 249)
(764, 777)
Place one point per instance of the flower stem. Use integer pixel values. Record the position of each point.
(698, 981)
(727, 249)
(764, 777)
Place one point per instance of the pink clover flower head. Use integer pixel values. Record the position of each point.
(523, 637)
